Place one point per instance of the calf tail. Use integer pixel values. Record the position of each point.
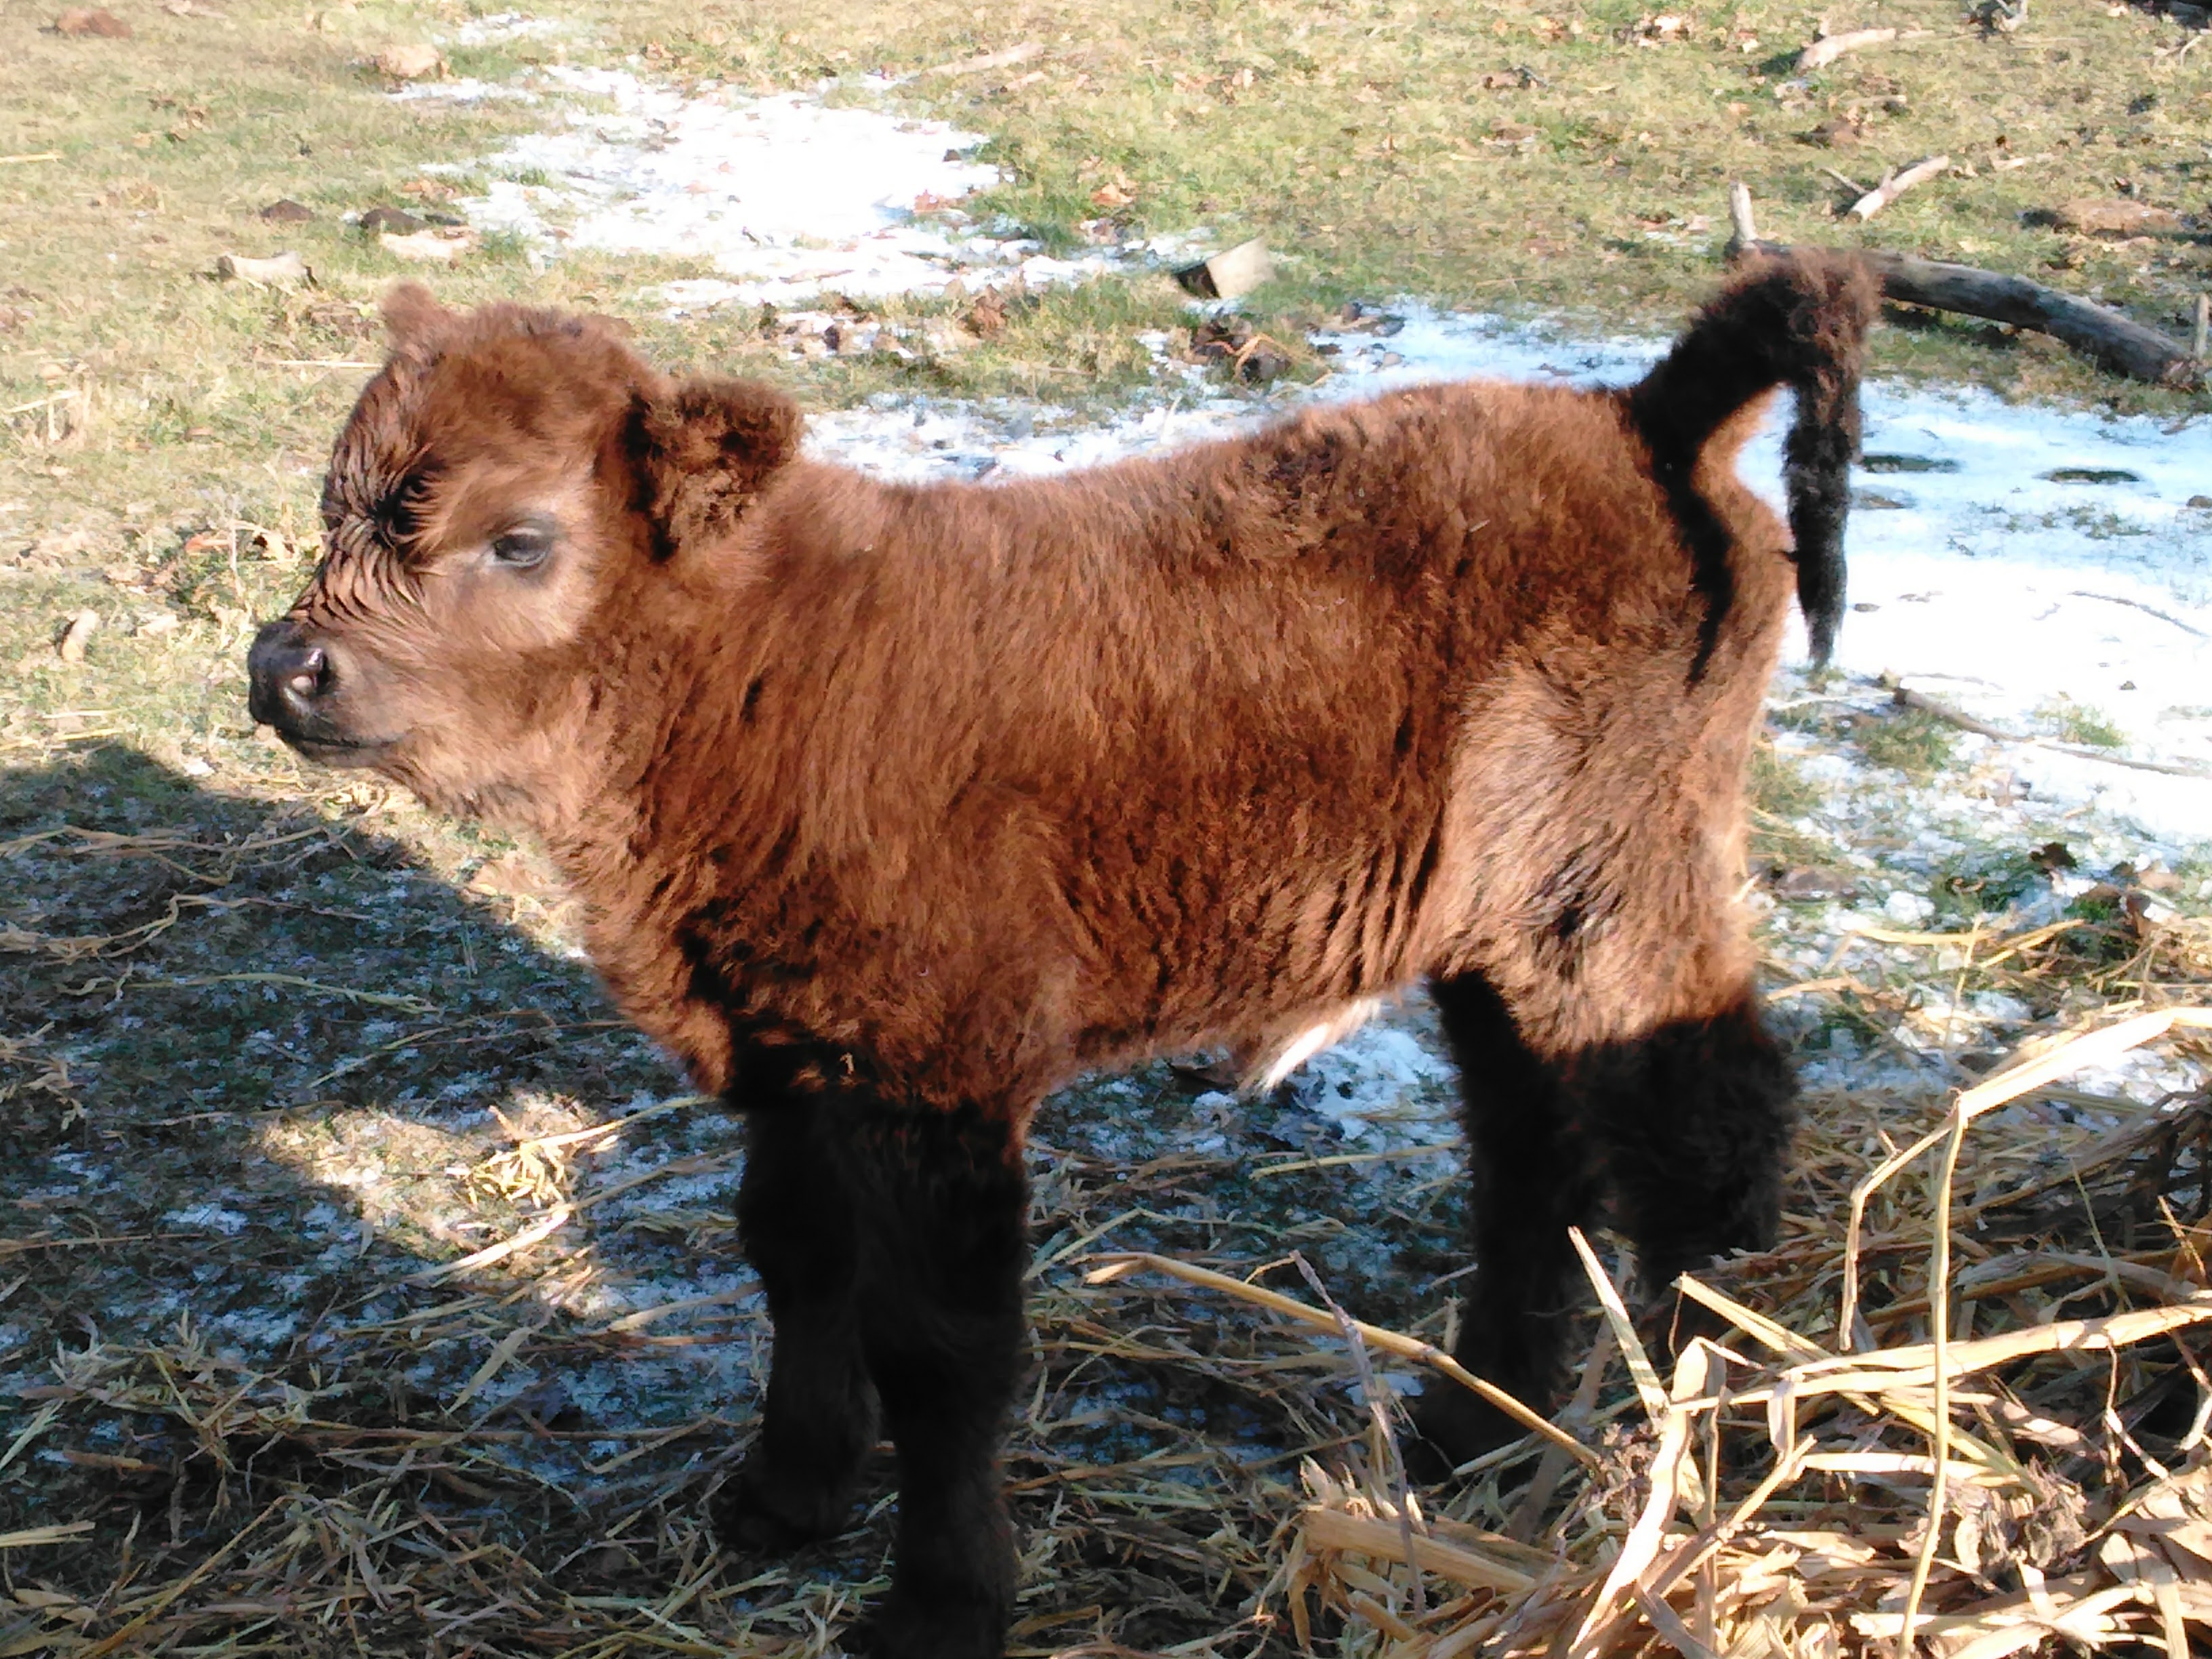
(1799, 320)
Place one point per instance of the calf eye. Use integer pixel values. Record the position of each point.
(524, 546)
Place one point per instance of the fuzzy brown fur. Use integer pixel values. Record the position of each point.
(894, 807)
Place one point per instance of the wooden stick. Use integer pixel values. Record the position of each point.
(2115, 342)
(988, 60)
(1746, 230)
(1907, 698)
(1894, 186)
(1829, 47)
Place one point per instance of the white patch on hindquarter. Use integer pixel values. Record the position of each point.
(1324, 1034)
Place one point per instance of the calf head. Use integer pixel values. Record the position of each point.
(504, 504)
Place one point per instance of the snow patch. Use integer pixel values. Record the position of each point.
(208, 1217)
(1381, 1071)
(784, 195)
(508, 25)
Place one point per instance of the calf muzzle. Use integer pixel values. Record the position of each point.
(293, 685)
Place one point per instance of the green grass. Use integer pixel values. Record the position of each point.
(1914, 743)
(1779, 789)
(1984, 881)
(2074, 722)
(1370, 142)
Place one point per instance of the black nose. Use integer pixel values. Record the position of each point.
(289, 674)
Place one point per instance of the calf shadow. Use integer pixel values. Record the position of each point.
(266, 1077)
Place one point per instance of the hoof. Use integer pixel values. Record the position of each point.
(755, 1515)
(1449, 1429)
(901, 1627)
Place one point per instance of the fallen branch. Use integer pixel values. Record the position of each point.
(2148, 610)
(1829, 47)
(1896, 185)
(2114, 342)
(1907, 698)
(989, 60)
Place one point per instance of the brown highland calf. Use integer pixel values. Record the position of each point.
(893, 807)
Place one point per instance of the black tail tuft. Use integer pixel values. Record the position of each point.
(1800, 320)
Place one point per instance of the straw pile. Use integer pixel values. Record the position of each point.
(1786, 1493)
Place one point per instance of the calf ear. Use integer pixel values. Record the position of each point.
(412, 314)
(704, 452)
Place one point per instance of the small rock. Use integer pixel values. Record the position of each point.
(1231, 272)
(1803, 883)
(443, 245)
(1658, 31)
(1234, 345)
(286, 211)
(1881, 463)
(2116, 217)
(1836, 132)
(398, 220)
(417, 62)
(79, 629)
(2201, 503)
(92, 21)
(2053, 855)
(987, 318)
(2089, 475)
(345, 320)
(1910, 909)
(281, 270)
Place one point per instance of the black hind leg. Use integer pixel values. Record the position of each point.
(1696, 1118)
(799, 1221)
(1533, 1178)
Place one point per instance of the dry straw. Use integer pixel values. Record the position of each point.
(1832, 1496)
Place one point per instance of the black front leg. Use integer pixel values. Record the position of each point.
(943, 1203)
(797, 1217)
